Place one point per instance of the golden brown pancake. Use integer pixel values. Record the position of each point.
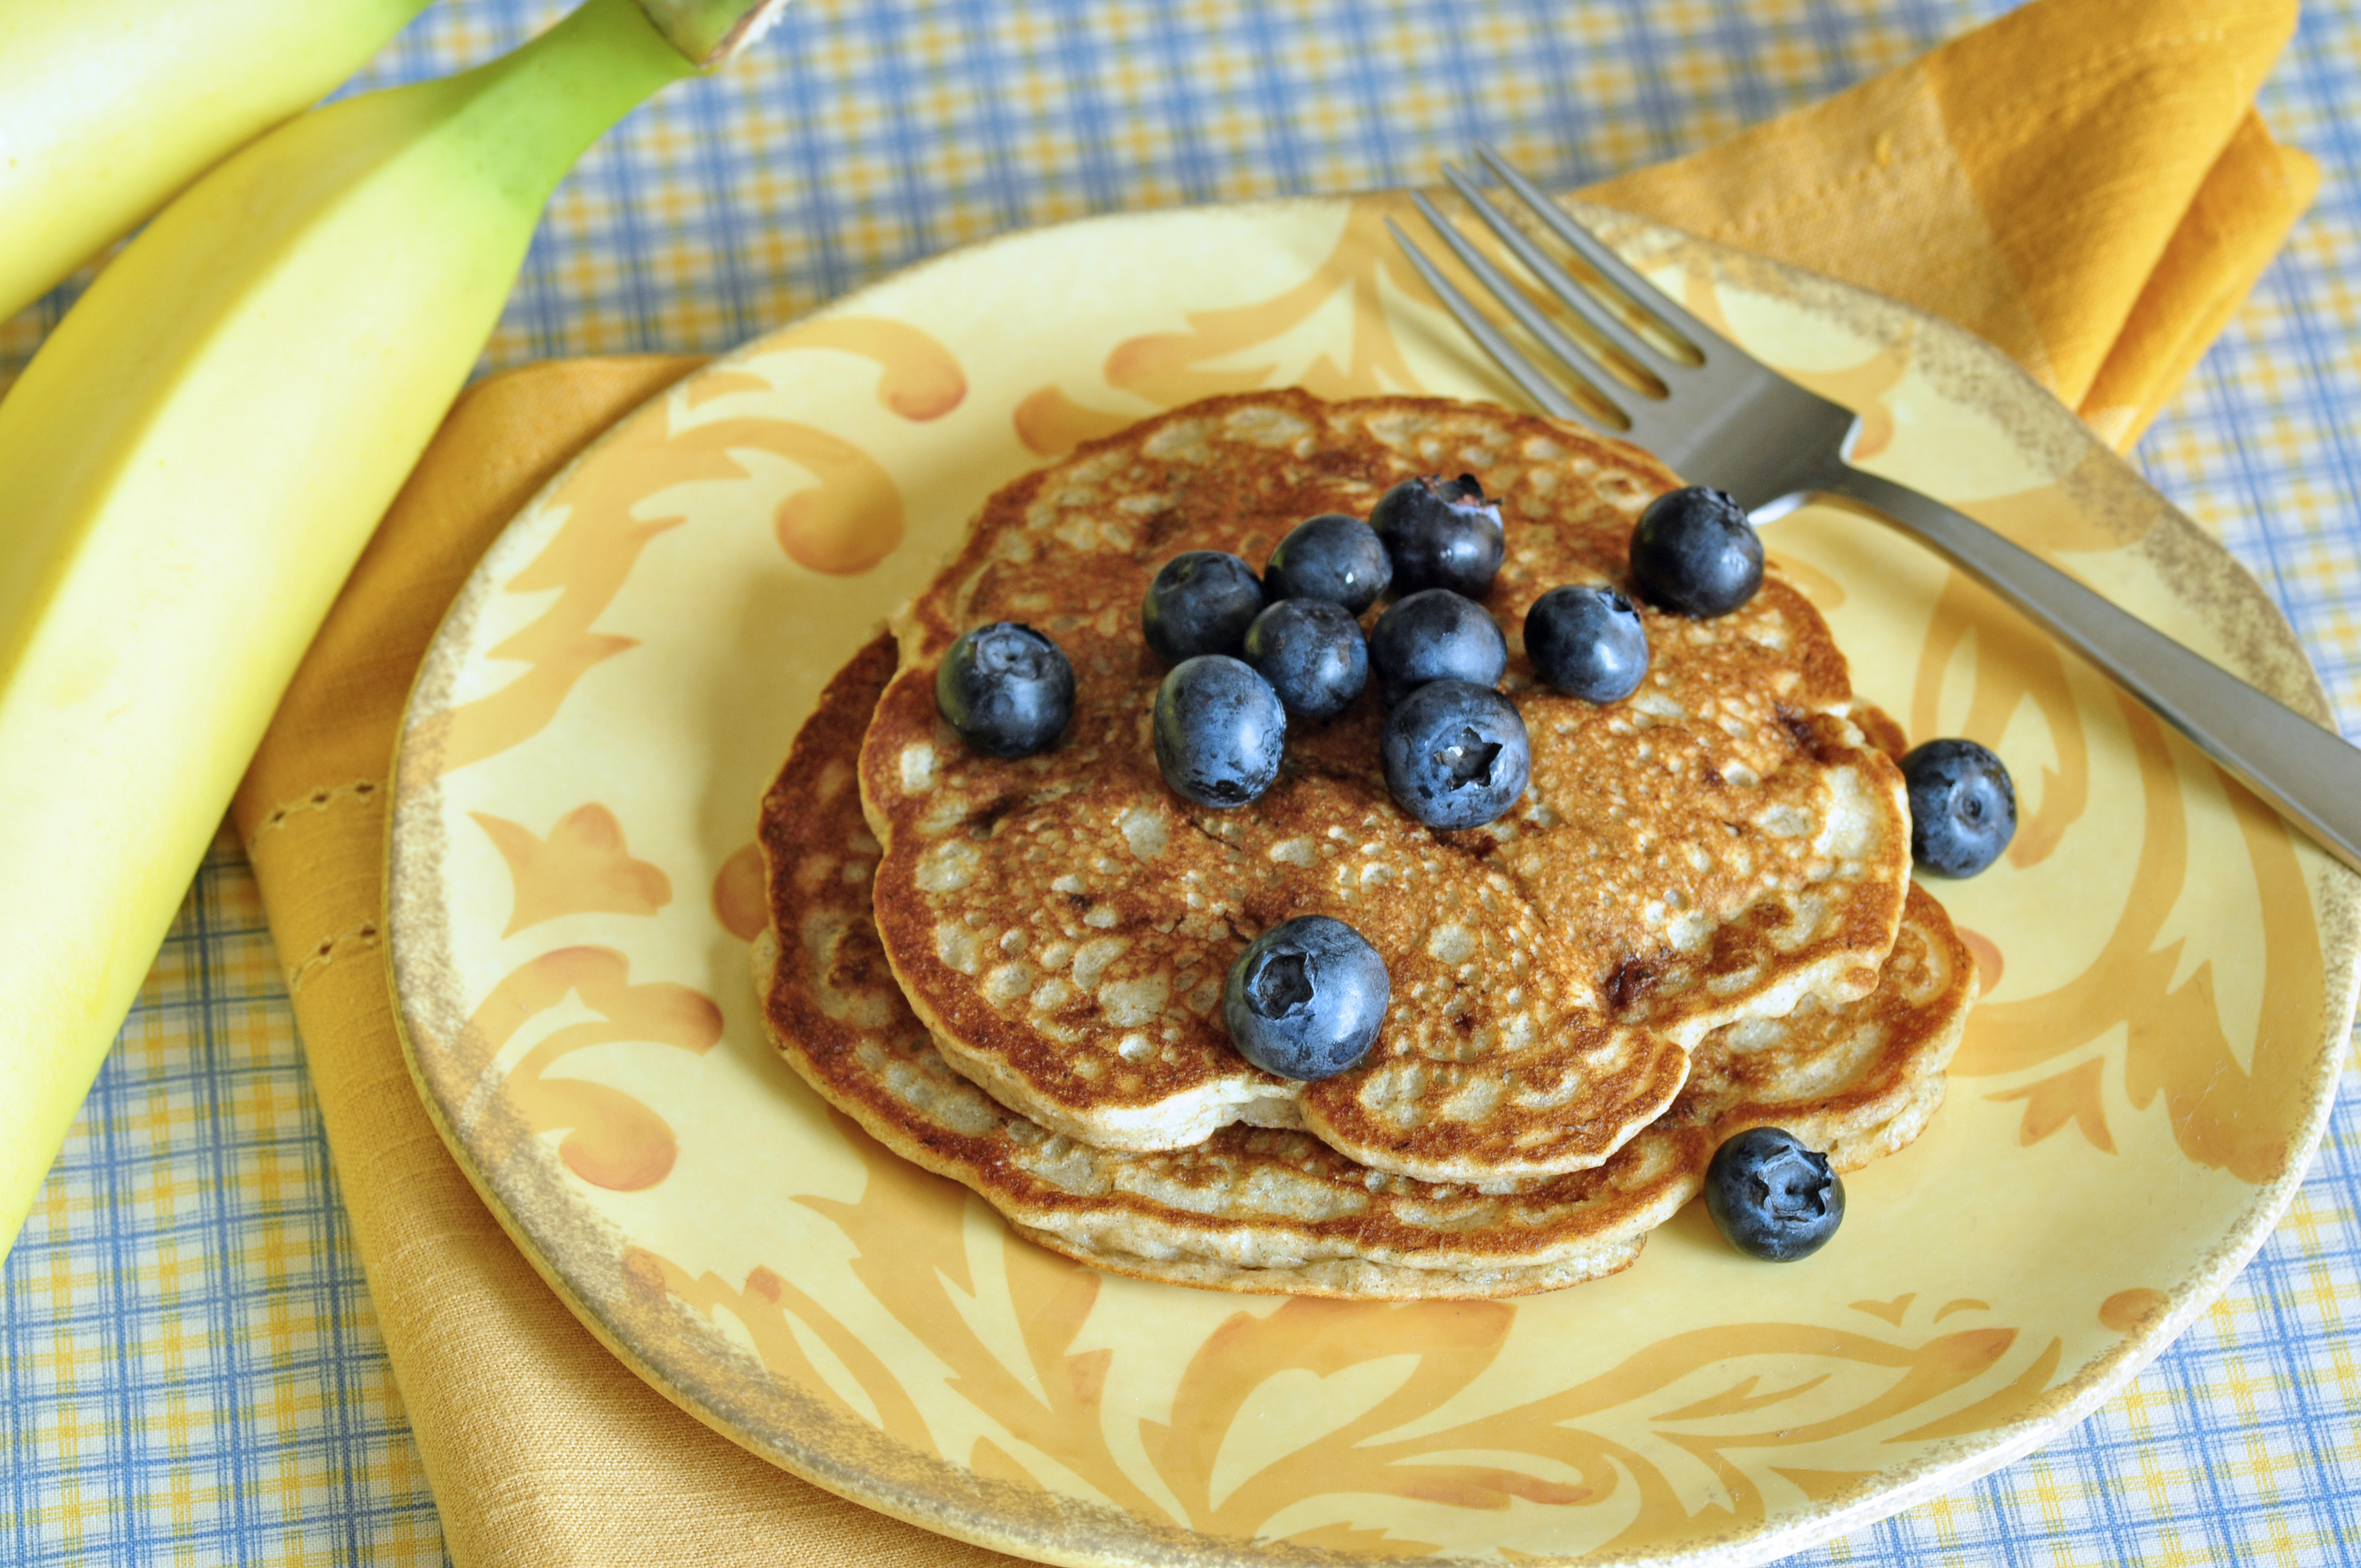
(1721, 846)
(1266, 1210)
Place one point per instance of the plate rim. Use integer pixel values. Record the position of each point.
(1070, 1530)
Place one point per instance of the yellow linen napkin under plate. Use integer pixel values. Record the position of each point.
(2082, 183)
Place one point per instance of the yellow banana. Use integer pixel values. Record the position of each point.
(108, 106)
(189, 465)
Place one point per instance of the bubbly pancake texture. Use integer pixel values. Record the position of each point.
(1266, 1210)
(1720, 847)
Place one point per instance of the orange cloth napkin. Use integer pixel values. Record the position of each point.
(2084, 183)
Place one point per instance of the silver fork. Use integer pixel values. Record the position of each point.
(1735, 423)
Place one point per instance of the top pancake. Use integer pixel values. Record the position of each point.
(1720, 847)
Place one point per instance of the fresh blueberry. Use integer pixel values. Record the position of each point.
(1200, 602)
(1006, 689)
(1441, 533)
(1312, 655)
(1305, 999)
(1696, 551)
(1773, 1198)
(1220, 731)
(1333, 557)
(1456, 755)
(1962, 807)
(1588, 642)
(1436, 635)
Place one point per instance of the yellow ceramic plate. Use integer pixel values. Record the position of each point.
(2169, 971)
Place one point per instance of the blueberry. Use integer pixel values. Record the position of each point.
(1305, 999)
(1962, 807)
(1696, 551)
(1436, 635)
(1441, 533)
(1220, 731)
(1312, 655)
(1588, 642)
(1333, 557)
(1006, 689)
(1200, 602)
(1455, 755)
(1773, 1198)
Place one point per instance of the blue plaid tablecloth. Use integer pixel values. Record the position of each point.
(190, 1370)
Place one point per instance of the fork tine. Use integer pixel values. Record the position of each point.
(1520, 369)
(1612, 266)
(1572, 355)
(1554, 278)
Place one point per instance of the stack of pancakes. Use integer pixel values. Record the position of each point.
(1698, 920)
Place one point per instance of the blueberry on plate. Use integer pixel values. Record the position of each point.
(1694, 552)
(1200, 602)
(1962, 807)
(1455, 755)
(1441, 533)
(1220, 731)
(1588, 642)
(1006, 689)
(1305, 999)
(1312, 655)
(1770, 1197)
(1333, 557)
(1435, 635)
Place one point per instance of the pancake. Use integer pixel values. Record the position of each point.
(1278, 1212)
(1720, 847)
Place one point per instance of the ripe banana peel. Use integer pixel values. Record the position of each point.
(108, 106)
(188, 469)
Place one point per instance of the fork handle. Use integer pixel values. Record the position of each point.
(2311, 774)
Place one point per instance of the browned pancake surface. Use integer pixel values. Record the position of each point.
(1721, 846)
(1280, 1212)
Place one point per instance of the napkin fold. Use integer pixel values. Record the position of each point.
(2082, 183)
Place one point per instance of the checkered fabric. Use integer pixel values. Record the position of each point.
(192, 1371)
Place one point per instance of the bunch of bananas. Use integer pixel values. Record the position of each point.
(194, 458)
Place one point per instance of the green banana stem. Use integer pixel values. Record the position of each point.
(708, 32)
(533, 113)
(109, 106)
(190, 467)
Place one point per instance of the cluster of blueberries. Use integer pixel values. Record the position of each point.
(1246, 654)
(1250, 654)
